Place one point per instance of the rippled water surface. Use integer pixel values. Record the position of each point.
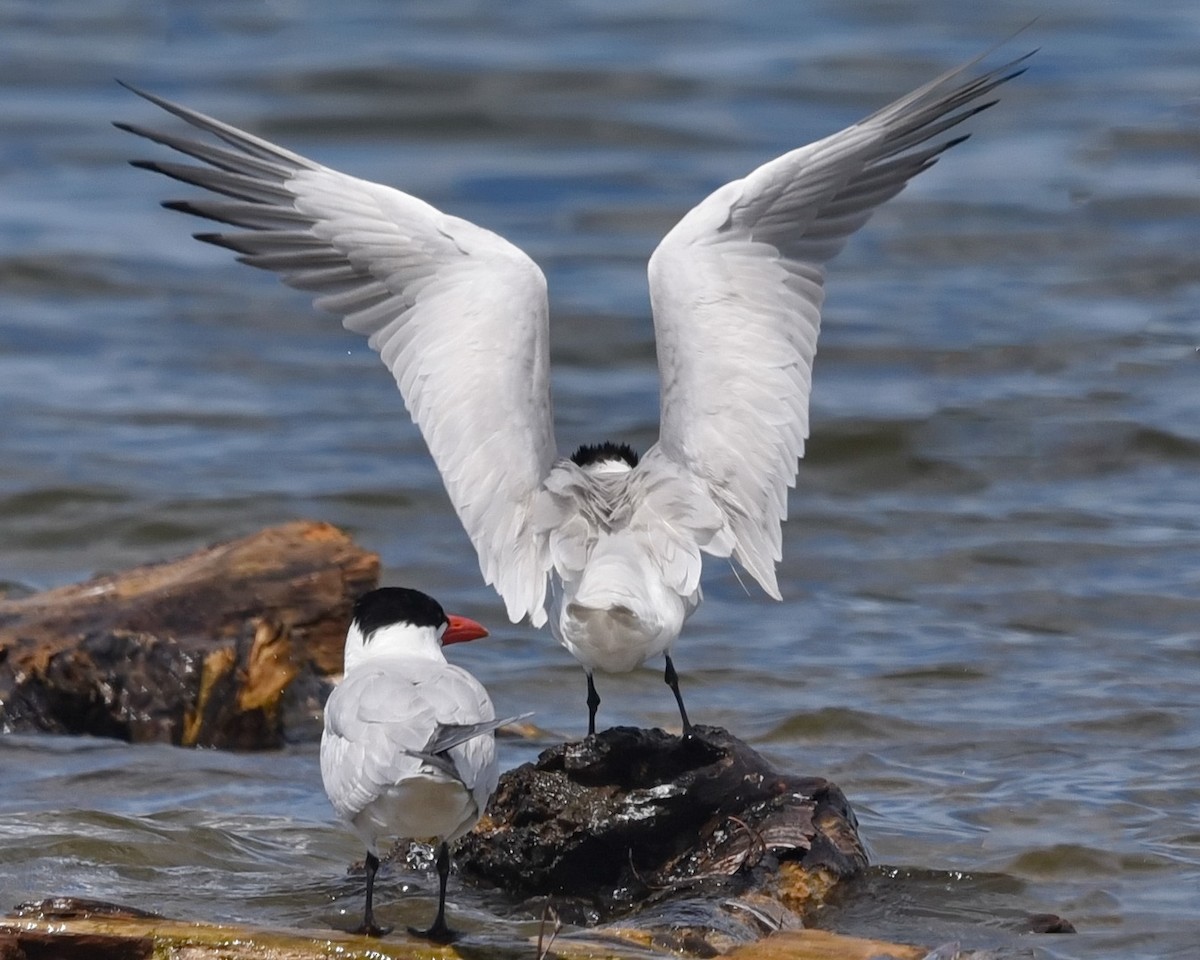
(991, 628)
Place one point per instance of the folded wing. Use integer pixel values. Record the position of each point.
(458, 314)
(737, 288)
(387, 723)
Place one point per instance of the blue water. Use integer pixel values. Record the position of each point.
(990, 634)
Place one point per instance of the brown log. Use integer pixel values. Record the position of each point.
(100, 934)
(200, 650)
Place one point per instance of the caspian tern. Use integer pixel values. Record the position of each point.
(408, 749)
(460, 315)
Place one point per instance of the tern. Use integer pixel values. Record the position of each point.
(606, 546)
(408, 748)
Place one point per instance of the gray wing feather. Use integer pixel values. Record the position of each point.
(737, 288)
(458, 314)
(450, 735)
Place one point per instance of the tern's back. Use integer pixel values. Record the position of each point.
(380, 724)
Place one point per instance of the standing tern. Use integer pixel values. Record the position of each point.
(408, 749)
(606, 546)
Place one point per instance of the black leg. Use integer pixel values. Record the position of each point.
(369, 926)
(593, 701)
(672, 681)
(439, 932)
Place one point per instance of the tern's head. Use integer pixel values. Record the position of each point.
(396, 620)
(606, 457)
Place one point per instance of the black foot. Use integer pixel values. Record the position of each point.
(435, 934)
(372, 930)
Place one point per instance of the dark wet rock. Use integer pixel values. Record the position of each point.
(689, 837)
(222, 648)
(1049, 923)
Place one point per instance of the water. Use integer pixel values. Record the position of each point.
(989, 636)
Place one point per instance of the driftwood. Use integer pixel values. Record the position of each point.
(69, 929)
(198, 651)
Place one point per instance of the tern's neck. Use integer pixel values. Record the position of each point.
(396, 640)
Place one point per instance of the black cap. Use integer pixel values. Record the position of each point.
(601, 452)
(388, 605)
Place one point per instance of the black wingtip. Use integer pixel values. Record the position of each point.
(138, 91)
(220, 240)
(188, 207)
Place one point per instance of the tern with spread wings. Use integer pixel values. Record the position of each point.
(606, 546)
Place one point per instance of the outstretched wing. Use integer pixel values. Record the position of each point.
(737, 288)
(458, 314)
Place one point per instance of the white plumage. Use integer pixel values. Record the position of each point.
(380, 730)
(408, 749)
(459, 315)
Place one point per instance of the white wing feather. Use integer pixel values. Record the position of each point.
(458, 314)
(737, 288)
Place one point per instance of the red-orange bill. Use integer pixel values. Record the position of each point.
(462, 629)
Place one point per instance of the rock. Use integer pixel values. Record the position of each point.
(697, 842)
(211, 649)
(1048, 923)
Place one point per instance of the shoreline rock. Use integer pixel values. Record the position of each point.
(698, 842)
